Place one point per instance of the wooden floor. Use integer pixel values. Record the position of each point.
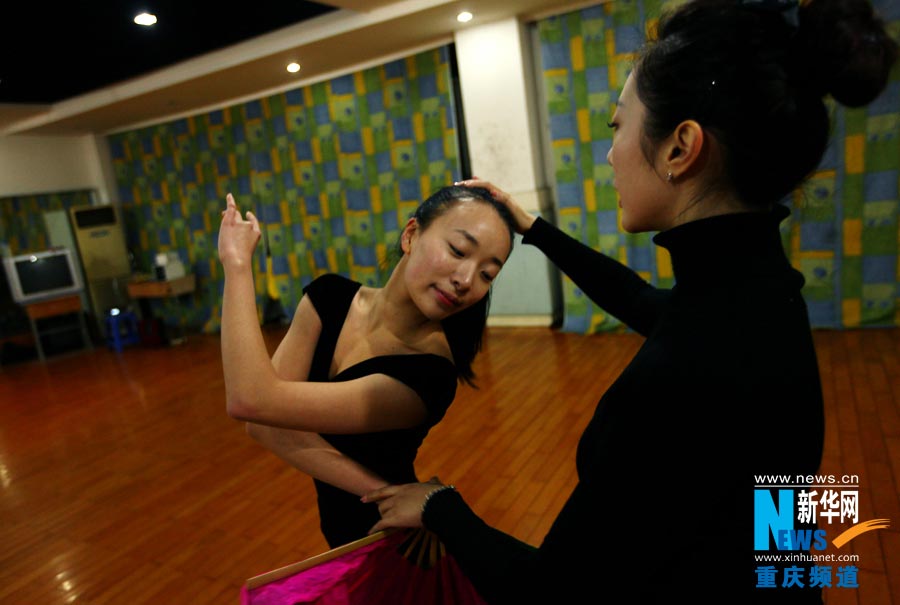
(124, 482)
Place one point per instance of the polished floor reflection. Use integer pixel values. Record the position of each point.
(124, 482)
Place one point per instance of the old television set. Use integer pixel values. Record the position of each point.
(44, 275)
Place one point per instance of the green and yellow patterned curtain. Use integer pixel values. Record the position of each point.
(843, 233)
(332, 170)
(22, 225)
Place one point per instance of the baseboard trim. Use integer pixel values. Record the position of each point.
(526, 321)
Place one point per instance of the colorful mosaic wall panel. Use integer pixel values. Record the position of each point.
(843, 233)
(332, 170)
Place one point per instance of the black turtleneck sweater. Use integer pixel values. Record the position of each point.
(726, 386)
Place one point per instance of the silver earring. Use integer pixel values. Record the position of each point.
(670, 177)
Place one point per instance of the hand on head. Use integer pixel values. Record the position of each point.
(524, 220)
(401, 505)
(237, 237)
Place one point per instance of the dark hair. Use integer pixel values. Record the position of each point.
(755, 81)
(465, 329)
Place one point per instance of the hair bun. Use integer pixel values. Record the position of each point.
(844, 50)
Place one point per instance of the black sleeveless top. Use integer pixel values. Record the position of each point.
(390, 454)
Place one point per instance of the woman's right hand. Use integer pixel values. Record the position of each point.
(237, 237)
(524, 220)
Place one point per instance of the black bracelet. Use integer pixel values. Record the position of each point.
(433, 492)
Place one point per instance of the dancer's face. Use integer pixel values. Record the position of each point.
(452, 262)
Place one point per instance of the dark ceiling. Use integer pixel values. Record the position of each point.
(55, 50)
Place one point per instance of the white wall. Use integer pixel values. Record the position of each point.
(45, 164)
(504, 134)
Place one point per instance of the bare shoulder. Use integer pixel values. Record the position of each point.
(306, 314)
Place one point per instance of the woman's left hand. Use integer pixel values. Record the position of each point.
(237, 237)
(400, 505)
(523, 219)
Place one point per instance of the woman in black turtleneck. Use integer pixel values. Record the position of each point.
(721, 118)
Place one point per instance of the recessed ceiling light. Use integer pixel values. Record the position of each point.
(145, 19)
(293, 67)
(464, 17)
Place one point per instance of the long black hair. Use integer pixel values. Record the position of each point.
(753, 74)
(465, 329)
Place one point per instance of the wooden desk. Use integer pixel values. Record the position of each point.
(148, 288)
(162, 289)
(51, 308)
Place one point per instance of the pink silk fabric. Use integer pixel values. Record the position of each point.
(377, 573)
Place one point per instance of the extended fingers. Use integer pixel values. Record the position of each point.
(477, 182)
(379, 494)
(230, 214)
(233, 216)
(253, 220)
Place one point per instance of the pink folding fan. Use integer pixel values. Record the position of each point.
(399, 567)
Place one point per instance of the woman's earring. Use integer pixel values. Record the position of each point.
(670, 177)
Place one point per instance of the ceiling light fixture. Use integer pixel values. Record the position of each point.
(145, 19)
(464, 17)
(293, 67)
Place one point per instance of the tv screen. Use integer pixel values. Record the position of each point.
(45, 273)
(42, 275)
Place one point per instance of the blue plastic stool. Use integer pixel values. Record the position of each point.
(121, 329)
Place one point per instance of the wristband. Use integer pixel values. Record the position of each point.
(433, 492)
